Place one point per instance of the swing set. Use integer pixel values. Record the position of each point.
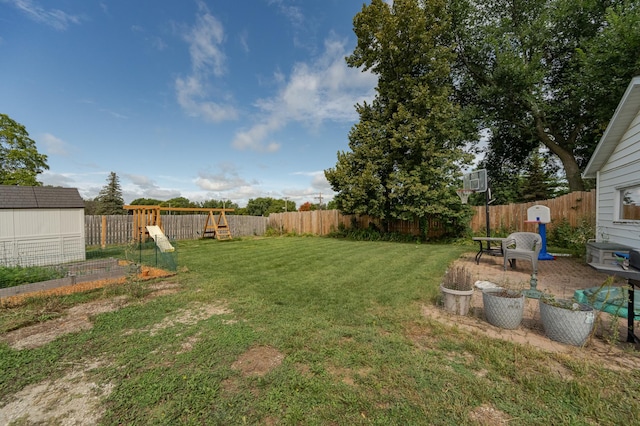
(144, 216)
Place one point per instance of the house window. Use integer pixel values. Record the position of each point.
(630, 203)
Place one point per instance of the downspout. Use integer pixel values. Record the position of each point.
(598, 235)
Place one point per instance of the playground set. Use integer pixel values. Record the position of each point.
(147, 221)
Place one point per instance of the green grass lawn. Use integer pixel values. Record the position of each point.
(343, 321)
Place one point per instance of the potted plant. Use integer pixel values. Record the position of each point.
(457, 289)
(502, 307)
(566, 321)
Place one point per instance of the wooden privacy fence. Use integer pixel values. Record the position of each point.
(323, 222)
(574, 207)
(118, 229)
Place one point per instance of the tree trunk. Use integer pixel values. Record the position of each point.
(569, 163)
(572, 171)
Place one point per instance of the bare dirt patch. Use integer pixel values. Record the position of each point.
(77, 318)
(487, 415)
(530, 333)
(70, 400)
(258, 361)
(163, 288)
(194, 314)
(349, 376)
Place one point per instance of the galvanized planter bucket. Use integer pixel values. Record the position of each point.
(456, 301)
(566, 322)
(503, 308)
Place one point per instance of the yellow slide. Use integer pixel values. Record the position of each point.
(161, 240)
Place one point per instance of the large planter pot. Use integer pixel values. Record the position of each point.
(565, 321)
(503, 308)
(456, 301)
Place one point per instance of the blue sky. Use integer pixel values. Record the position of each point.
(184, 98)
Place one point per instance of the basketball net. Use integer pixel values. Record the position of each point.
(464, 194)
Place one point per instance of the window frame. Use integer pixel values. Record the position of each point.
(620, 195)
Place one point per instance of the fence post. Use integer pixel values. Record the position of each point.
(103, 233)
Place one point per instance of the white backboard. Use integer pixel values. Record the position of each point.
(475, 181)
(541, 214)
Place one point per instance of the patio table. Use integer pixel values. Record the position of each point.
(485, 247)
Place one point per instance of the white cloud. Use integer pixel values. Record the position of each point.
(292, 13)
(140, 186)
(53, 17)
(114, 114)
(88, 184)
(226, 178)
(253, 139)
(319, 182)
(57, 179)
(207, 58)
(158, 44)
(204, 41)
(243, 38)
(324, 90)
(190, 92)
(54, 145)
(141, 181)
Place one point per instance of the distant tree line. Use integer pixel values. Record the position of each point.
(111, 202)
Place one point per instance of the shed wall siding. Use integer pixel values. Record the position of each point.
(621, 169)
(41, 236)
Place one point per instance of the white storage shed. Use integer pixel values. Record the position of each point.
(41, 226)
(616, 166)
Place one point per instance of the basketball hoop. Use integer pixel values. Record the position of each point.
(464, 194)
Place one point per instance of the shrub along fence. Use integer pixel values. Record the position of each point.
(574, 207)
(323, 222)
(118, 229)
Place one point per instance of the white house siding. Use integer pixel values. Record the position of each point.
(7, 241)
(621, 169)
(41, 237)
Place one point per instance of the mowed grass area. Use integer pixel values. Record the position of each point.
(337, 337)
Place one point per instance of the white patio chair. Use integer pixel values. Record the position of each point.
(522, 245)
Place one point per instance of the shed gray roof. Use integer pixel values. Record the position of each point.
(39, 197)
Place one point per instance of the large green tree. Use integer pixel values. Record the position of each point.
(178, 202)
(146, 202)
(263, 206)
(110, 201)
(20, 161)
(407, 148)
(220, 204)
(544, 71)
